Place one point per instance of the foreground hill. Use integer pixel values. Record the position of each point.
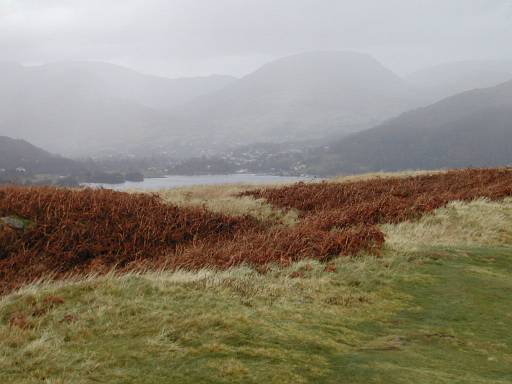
(303, 96)
(93, 231)
(84, 107)
(433, 307)
(470, 129)
(21, 154)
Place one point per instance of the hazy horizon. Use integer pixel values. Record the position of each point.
(184, 38)
(241, 75)
(275, 190)
(288, 71)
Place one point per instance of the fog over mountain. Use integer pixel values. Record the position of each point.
(181, 79)
(447, 79)
(177, 38)
(90, 108)
(117, 82)
(471, 129)
(80, 108)
(302, 96)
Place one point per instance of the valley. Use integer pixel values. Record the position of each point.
(257, 191)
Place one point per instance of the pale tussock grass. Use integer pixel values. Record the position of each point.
(384, 175)
(224, 199)
(182, 316)
(477, 223)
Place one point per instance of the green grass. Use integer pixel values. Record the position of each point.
(456, 328)
(440, 316)
(211, 328)
(437, 313)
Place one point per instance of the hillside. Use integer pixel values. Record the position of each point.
(304, 96)
(431, 305)
(81, 108)
(444, 80)
(21, 154)
(84, 108)
(469, 129)
(91, 108)
(157, 92)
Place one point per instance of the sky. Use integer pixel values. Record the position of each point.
(177, 38)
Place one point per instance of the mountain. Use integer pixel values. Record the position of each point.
(449, 79)
(84, 107)
(21, 154)
(117, 82)
(299, 97)
(470, 129)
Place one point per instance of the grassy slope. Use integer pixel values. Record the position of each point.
(426, 314)
(454, 330)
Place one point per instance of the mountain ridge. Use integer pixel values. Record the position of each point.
(76, 109)
(18, 153)
(447, 79)
(315, 93)
(470, 129)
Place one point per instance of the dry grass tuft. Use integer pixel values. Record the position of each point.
(384, 175)
(225, 199)
(477, 223)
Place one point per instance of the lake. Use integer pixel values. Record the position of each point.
(186, 181)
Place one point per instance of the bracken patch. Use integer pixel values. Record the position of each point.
(94, 231)
(330, 205)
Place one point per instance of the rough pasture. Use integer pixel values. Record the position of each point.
(94, 231)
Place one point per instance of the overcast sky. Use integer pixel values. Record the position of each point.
(199, 37)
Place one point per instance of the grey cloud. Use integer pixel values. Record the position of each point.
(177, 37)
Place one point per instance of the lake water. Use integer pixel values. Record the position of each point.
(185, 181)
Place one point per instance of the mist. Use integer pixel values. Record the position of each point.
(194, 37)
(276, 87)
(256, 191)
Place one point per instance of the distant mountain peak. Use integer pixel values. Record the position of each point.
(302, 96)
